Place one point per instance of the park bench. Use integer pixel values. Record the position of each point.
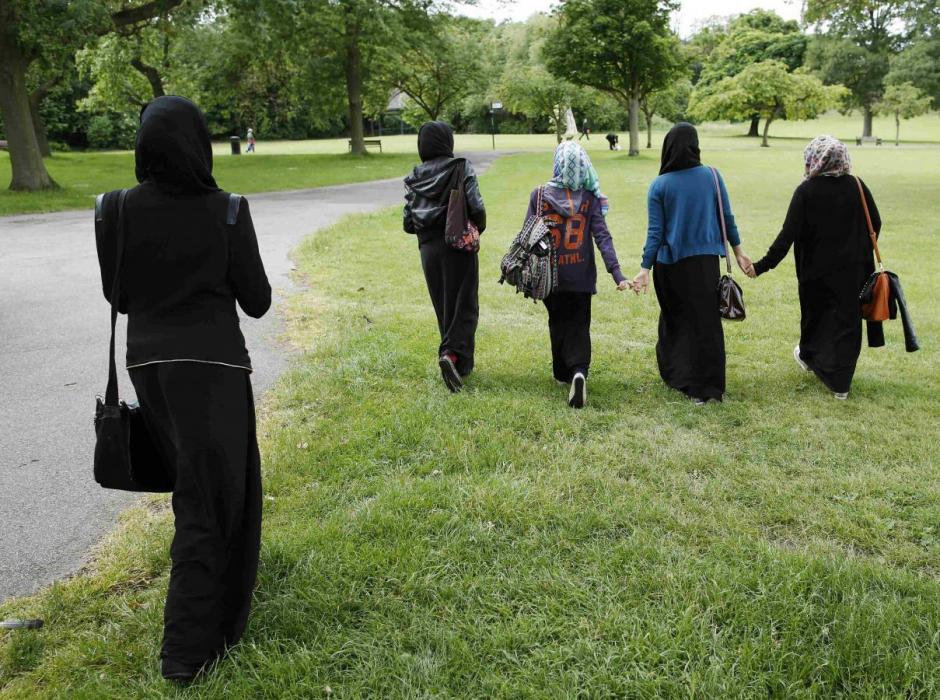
(368, 142)
(4, 146)
(859, 140)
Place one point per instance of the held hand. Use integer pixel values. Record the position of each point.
(751, 272)
(624, 285)
(641, 283)
(745, 263)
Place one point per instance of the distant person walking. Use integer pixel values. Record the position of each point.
(251, 141)
(585, 130)
(571, 206)
(191, 254)
(685, 244)
(826, 226)
(452, 276)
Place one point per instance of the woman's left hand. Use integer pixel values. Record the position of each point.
(624, 285)
(746, 264)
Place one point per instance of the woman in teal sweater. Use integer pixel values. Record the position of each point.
(684, 242)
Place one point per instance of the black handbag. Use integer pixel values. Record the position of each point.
(730, 294)
(460, 233)
(126, 457)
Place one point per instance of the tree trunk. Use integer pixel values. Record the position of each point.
(152, 75)
(39, 126)
(558, 117)
(897, 128)
(866, 126)
(354, 86)
(764, 142)
(755, 126)
(649, 128)
(29, 172)
(634, 127)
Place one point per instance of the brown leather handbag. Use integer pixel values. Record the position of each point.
(730, 294)
(460, 233)
(876, 294)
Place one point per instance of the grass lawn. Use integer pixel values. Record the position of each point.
(498, 544)
(84, 175)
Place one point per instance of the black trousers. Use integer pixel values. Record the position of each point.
(453, 279)
(569, 326)
(831, 326)
(691, 346)
(202, 417)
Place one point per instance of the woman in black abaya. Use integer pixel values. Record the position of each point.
(684, 247)
(826, 226)
(190, 254)
(452, 276)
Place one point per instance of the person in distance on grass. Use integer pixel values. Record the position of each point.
(190, 254)
(826, 226)
(685, 243)
(452, 276)
(574, 209)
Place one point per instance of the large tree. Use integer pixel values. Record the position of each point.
(753, 37)
(769, 90)
(919, 65)
(858, 38)
(621, 47)
(28, 28)
(671, 103)
(902, 101)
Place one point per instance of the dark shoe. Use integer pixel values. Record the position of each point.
(179, 672)
(448, 364)
(577, 397)
(696, 401)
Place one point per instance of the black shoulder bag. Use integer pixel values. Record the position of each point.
(126, 457)
(730, 295)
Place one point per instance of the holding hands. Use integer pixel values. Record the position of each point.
(744, 262)
(641, 283)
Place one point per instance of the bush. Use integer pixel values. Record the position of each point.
(111, 130)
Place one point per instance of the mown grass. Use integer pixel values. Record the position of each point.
(499, 544)
(82, 176)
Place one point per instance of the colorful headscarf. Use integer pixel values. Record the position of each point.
(572, 170)
(826, 156)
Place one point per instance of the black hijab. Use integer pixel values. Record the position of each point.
(680, 149)
(435, 140)
(173, 147)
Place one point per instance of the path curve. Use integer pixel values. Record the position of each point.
(53, 361)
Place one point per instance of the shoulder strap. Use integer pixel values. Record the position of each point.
(111, 393)
(234, 202)
(721, 218)
(871, 228)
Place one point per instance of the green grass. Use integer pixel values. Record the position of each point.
(84, 175)
(499, 544)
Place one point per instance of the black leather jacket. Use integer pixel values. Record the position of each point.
(427, 191)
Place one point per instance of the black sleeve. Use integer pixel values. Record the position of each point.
(245, 268)
(872, 209)
(408, 222)
(475, 207)
(792, 227)
(106, 239)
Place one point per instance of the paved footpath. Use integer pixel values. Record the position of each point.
(53, 362)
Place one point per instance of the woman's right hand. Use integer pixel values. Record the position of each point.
(641, 283)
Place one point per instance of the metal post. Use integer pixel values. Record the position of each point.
(493, 127)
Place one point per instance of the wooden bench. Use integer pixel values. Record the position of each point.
(859, 140)
(4, 146)
(368, 142)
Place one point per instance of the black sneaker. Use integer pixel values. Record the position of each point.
(450, 374)
(179, 672)
(577, 397)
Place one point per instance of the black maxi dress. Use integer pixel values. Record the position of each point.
(185, 266)
(826, 226)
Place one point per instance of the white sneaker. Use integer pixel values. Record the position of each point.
(841, 395)
(577, 397)
(799, 361)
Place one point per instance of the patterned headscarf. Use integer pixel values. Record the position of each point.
(826, 156)
(573, 170)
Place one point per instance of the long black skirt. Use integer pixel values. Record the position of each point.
(831, 326)
(202, 416)
(691, 347)
(453, 279)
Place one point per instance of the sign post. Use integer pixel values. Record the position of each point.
(494, 107)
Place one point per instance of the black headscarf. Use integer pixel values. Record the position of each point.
(173, 147)
(680, 149)
(435, 140)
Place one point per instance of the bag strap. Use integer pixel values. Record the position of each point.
(231, 214)
(871, 228)
(721, 217)
(111, 393)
